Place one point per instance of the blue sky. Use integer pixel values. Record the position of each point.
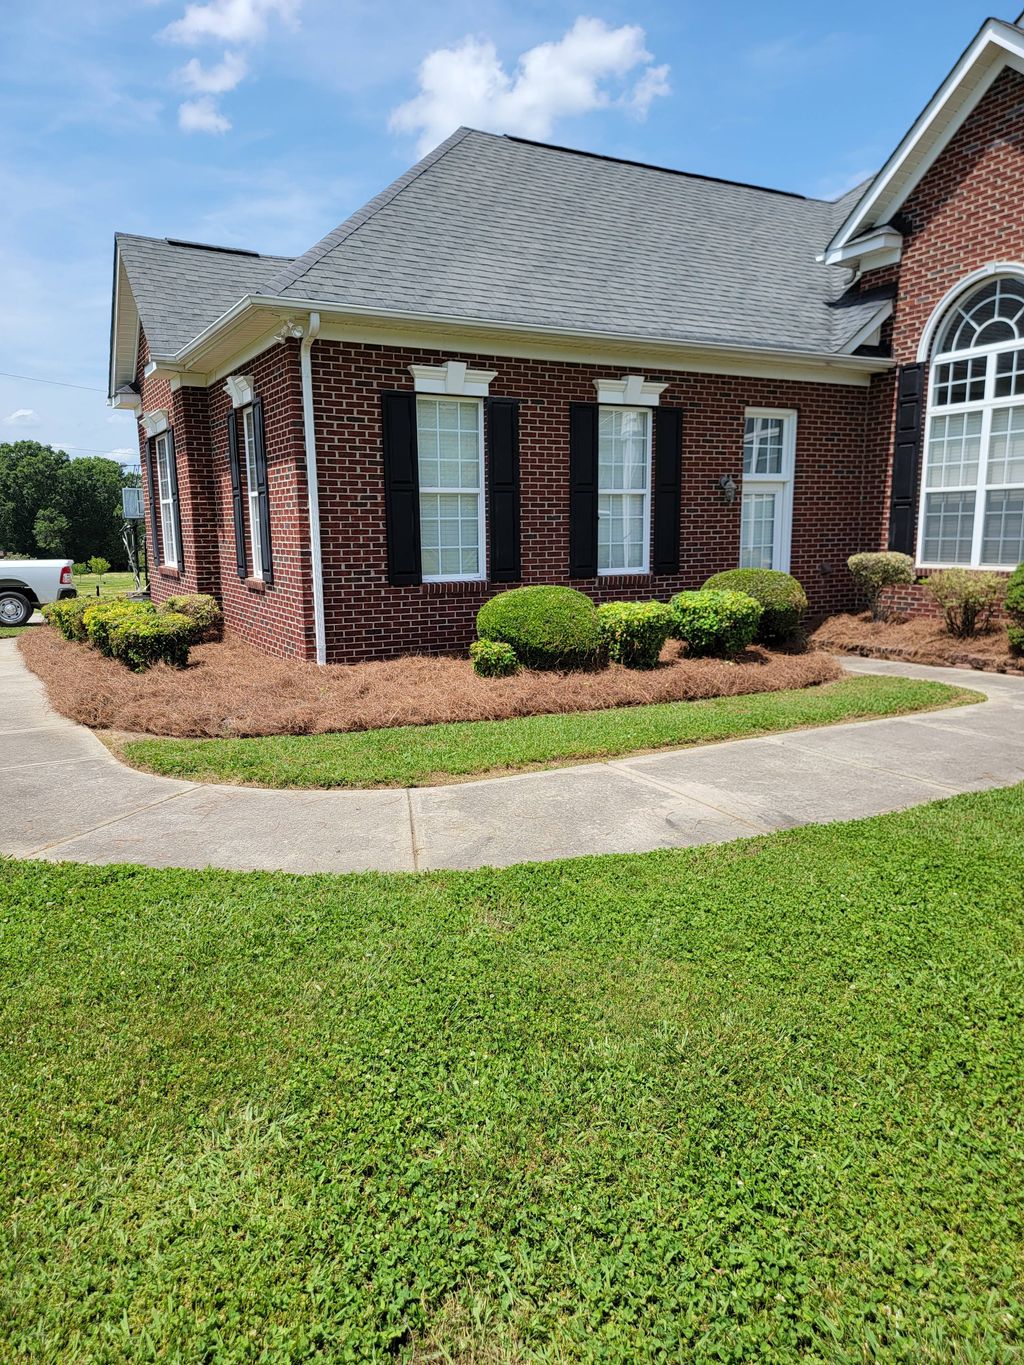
(263, 123)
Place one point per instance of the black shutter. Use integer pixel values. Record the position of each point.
(237, 509)
(909, 418)
(263, 500)
(668, 487)
(582, 490)
(401, 489)
(172, 465)
(503, 476)
(153, 553)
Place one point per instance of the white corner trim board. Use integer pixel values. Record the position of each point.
(453, 378)
(631, 389)
(239, 389)
(155, 423)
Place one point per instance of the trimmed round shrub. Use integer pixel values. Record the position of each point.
(715, 622)
(104, 613)
(548, 627)
(634, 633)
(140, 641)
(493, 659)
(968, 600)
(1014, 606)
(202, 610)
(67, 616)
(879, 569)
(783, 601)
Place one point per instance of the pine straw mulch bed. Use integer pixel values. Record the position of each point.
(230, 690)
(920, 641)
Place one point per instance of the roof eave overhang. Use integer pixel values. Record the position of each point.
(873, 250)
(256, 321)
(998, 45)
(124, 331)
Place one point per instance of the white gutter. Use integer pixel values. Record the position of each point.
(316, 564)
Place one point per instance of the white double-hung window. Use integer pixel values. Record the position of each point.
(167, 494)
(252, 490)
(449, 440)
(972, 496)
(766, 510)
(624, 490)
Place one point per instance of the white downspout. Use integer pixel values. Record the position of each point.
(316, 563)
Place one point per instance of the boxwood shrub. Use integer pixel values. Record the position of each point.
(547, 626)
(103, 614)
(202, 610)
(634, 633)
(1014, 606)
(879, 569)
(151, 638)
(715, 622)
(67, 616)
(493, 659)
(783, 601)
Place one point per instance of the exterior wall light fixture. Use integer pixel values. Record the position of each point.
(728, 486)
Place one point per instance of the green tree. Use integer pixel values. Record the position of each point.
(51, 530)
(29, 482)
(89, 495)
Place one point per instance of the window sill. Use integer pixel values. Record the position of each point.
(624, 578)
(256, 585)
(454, 587)
(168, 571)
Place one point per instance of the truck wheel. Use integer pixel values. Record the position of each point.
(15, 610)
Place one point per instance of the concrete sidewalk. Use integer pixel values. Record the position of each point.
(66, 797)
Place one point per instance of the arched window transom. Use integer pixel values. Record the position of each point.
(973, 495)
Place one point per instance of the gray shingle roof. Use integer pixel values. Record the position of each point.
(180, 288)
(499, 229)
(502, 230)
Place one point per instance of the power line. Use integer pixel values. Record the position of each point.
(57, 383)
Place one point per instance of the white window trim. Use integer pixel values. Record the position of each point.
(454, 378)
(781, 483)
(155, 422)
(251, 492)
(481, 495)
(632, 390)
(646, 566)
(165, 496)
(985, 406)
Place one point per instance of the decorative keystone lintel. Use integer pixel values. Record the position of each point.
(453, 378)
(238, 388)
(155, 423)
(631, 389)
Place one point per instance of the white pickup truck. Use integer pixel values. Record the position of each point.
(26, 584)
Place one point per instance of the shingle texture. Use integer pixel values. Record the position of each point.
(500, 230)
(180, 289)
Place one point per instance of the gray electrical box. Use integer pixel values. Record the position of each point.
(131, 504)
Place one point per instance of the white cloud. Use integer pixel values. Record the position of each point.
(589, 67)
(22, 417)
(202, 116)
(835, 186)
(239, 22)
(214, 80)
(228, 21)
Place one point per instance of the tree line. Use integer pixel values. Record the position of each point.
(52, 506)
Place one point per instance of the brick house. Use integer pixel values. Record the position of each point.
(525, 364)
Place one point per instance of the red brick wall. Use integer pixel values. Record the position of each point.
(967, 212)
(277, 618)
(837, 503)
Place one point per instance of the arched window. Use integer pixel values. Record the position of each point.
(972, 510)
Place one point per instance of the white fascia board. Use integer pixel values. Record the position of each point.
(997, 45)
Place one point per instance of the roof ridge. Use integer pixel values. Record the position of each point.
(652, 166)
(301, 264)
(202, 246)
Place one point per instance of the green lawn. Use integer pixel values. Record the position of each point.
(754, 1102)
(9, 632)
(110, 585)
(414, 755)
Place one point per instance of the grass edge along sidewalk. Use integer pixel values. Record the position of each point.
(420, 755)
